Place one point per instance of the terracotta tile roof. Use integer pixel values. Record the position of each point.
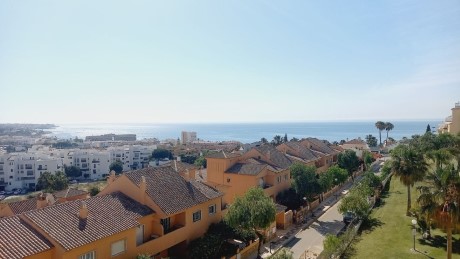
(107, 215)
(223, 154)
(179, 166)
(19, 240)
(68, 193)
(319, 145)
(246, 168)
(275, 157)
(300, 151)
(356, 142)
(19, 207)
(170, 191)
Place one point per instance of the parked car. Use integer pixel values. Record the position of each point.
(16, 192)
(24, 191)
(2, 197)
(2, 192)
(8, 192)
(348, 217)
(74, 181)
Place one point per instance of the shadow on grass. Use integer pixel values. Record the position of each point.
(441, 242)
(370, 224)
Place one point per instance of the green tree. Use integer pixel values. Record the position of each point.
(357, 200)
(294, 139)
(349, 161)
(283, 253)
(331, 244)
(388, 126)
(409, 166)
(52, 182)
(428, 128)
(285, 139)
(201, 162)
(339, 175)
(72, 171)
(94, 190)
(160, 153)
(326, 181)
(368, 158)
(45, 181)
(439, 201)
(380, 125)
(116, 166)
(371, 140)
(264, 140)
(304, 181)
(61, 181)
(143, 256)
(277, 140)
(254, 211)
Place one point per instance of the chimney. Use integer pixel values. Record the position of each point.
(83, 214)
(41, 201)
(143, 189)
(111, 177)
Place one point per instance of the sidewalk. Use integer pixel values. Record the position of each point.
(287, 236)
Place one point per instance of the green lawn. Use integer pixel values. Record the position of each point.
(389, 234)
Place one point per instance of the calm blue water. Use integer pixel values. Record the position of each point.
(248, 132)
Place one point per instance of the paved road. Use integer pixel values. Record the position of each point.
(312, 237)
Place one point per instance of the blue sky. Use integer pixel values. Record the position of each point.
(228, 61)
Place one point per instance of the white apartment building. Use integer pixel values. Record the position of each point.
(133, 157)
(188, 137)
(22, 170)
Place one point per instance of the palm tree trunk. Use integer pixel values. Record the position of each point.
(449, 242)
(380, 136)
(408, 200)
(387, 135)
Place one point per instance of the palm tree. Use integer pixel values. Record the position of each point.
(440, 201)
(409, 166)
(388, 126)
(380, 125)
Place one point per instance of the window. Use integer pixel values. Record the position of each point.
(118, 247)
(212, 209)
(89, 255)
(285, 177)
(196, 216)
(228, 180)
(278, 179)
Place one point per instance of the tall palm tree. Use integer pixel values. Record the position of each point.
(409, 166)
(388, 126)
(380, 125)
(440, 200)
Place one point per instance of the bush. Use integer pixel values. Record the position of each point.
(283, 253)
(94, 190)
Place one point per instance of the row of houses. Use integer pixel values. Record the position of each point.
(22, 170)
(156, 211)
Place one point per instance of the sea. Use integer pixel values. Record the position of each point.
(248, 132)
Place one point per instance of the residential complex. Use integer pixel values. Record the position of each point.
(265, 166)
(22, 170)
(451, 123)
(151, 211)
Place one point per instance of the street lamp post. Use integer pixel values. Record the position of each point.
(414, 230)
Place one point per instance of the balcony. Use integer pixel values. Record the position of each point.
(159, 243)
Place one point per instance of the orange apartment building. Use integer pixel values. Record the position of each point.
(265, 166)
(150, 211)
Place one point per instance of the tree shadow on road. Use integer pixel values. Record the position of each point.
(327, 227)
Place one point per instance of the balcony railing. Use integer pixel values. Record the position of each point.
(157, 243)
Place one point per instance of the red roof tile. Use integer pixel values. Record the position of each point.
(18, 239)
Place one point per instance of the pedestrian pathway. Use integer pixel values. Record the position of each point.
(309, 235)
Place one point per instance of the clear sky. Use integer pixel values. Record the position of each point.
(228, 61)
